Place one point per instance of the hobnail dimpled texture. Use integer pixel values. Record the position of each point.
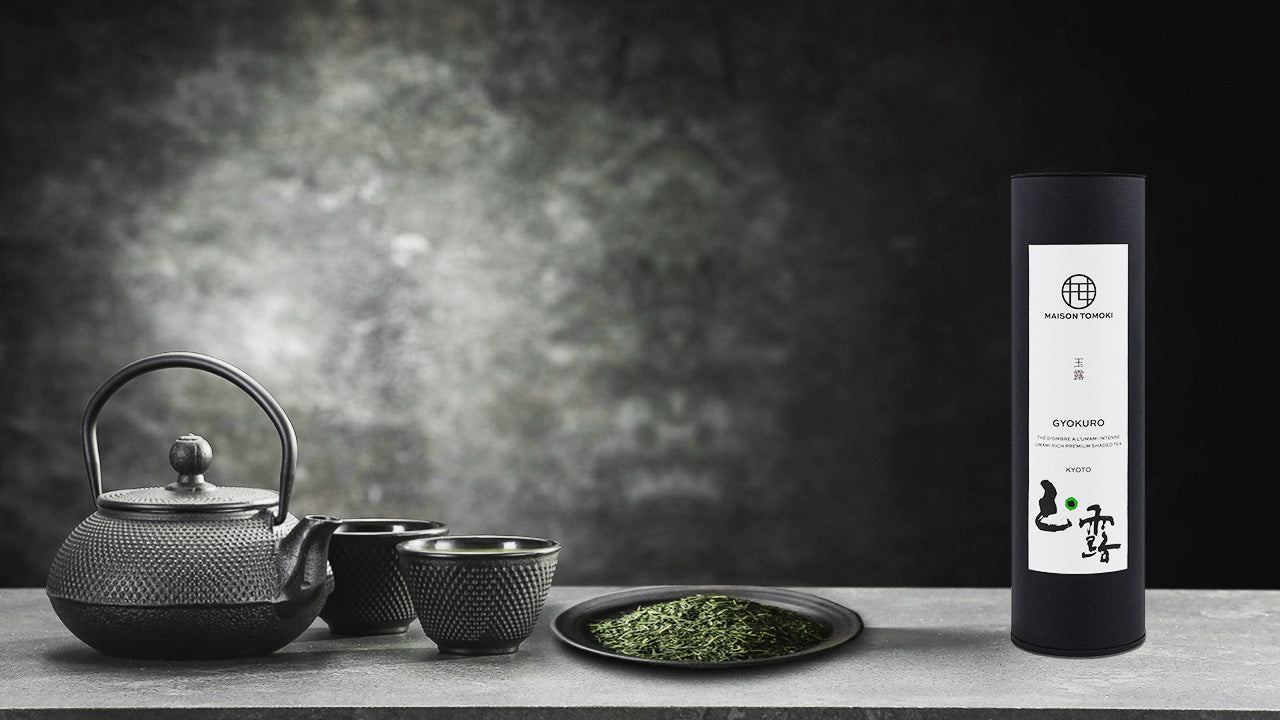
(170, 559)
(479, 602)
(369, 592)
(188, 633)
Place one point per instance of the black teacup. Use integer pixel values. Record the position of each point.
(478, 594)
(369, 595)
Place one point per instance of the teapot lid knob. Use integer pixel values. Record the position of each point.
(190, 456)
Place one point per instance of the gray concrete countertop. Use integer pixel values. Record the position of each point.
(924, 653)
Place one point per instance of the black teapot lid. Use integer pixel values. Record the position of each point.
(190, 456)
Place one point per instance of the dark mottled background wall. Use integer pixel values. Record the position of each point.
(706, 291)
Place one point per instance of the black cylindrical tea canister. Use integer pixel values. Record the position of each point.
(1078, 412)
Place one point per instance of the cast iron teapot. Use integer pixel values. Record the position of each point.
(191, 570)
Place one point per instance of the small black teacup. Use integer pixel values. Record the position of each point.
(478, 594)
(369, 595)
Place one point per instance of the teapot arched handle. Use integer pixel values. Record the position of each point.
(194, 361)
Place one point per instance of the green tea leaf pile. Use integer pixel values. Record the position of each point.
(708, 628)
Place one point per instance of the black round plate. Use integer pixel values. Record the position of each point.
(571, 626)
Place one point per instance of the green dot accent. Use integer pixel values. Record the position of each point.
(1071, 503)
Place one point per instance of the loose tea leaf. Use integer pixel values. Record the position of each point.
(709, 628)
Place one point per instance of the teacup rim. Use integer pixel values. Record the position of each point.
(418, 547)
(414, 529)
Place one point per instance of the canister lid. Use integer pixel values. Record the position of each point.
(1067, 208)
(190, 456)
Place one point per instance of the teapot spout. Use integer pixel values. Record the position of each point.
(303, 557)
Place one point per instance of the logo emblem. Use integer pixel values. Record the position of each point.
(1078, 291)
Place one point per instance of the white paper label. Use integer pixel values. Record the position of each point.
(1078, 420)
